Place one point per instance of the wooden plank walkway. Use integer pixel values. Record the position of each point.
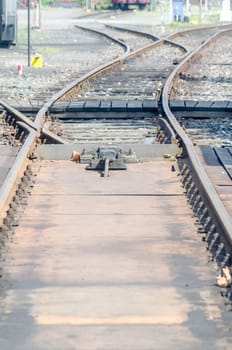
(107, 264)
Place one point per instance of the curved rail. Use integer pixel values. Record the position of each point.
(129, 30)
(151, 36)
(207, 187)
(18, 116)
(40, 118)
(117, 41)
(187, 61)
(34, 130)
(16, 172)
(198, 29)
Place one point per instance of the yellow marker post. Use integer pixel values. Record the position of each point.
(37, 61)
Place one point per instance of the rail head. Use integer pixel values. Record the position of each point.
(185, 63)
(41, 116)
(28, 139)
(111, 38)
(200, 29)
(18, 116)
(157, 41)
(207, 188)
(17, 170)
(130, 30)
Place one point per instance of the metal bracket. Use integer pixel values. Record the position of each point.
(107, 158)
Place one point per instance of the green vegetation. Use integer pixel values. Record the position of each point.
(47, 2)
(35, 35)
(100, 4)
(206, 16)
(22, 35)
(49, 50)
(50, 2)
(103, 4)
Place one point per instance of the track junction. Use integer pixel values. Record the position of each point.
(112, 259)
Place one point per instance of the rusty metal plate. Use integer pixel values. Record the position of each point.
(109, 263)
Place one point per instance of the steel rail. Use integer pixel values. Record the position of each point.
(18, 115)
(168, 39)
(44, 110)
(34, 129)
(221, 214)
(38, 120)
(148, 35)
(170, 36)
(17, 170)
(117, 41)
(199, 29)
(192, 56)
(10, 183)
(50, 136)
(41, 115)
(103, 13)
(130, 30)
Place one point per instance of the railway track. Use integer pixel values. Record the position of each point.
(202, 79)
(133, 39)
(19, 139)
(116, 259)
(212, 129)
(208, 131)
(133, 69)
(190, 39)
(219, 245)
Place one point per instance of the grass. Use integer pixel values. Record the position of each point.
(49, 50)
(210, 16)
(35, 35)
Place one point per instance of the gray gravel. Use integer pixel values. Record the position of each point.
(214, 132)
(210, 77)
(138, 78)
(61, 46)
(110, 131)
(133, 40)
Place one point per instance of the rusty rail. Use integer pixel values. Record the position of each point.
(157, 40)
(35, 129)
(209, 193)
(199, 29)
(16, 172)
(10, 184)
(17, 116)
(41, 115)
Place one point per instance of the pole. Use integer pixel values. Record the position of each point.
(88, 4)
(200, 11)
(187, 8)
(28, 33)
(170, 11)
(40, 13)
(37, 21)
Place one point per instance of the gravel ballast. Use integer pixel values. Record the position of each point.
(66, 52)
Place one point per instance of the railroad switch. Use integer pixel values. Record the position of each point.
(107, 158)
